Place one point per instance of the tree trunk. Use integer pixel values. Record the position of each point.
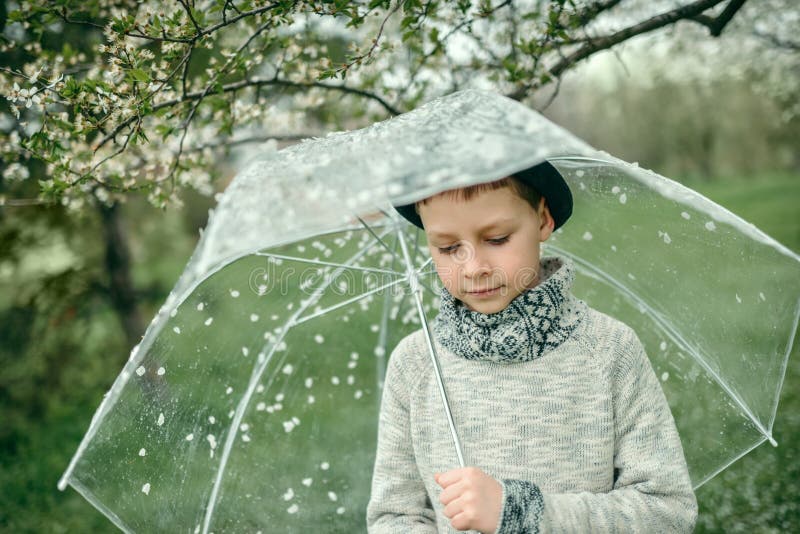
(118, 267)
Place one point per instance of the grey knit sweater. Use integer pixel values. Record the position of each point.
(578, 432)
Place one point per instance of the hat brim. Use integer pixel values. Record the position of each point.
(543, 177)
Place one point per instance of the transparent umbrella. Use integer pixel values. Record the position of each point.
(252, 401)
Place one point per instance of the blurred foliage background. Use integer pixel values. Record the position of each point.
(66, 330)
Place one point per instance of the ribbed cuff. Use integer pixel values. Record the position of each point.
(523, 506)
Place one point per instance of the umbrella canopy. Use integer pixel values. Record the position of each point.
(252, 400)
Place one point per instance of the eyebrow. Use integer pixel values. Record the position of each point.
(493, 224)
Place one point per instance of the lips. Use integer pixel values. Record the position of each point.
(483, 291)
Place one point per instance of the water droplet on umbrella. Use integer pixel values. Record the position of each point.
(288, 495)
(738, 299)
(288, 426)
(614, 248)
(630, 275)
(212, 419)
(260, 388)
(244, 427)
(761, 296)
(332, 496)
(379, 351)
(685, 215)
(319, 339)
(307, 482)
(190, 437)
(335, 380)
(587, 236)
(176, 329)
(288, 369)
(324, 466)
(228, 390)
(161, 371)
(358, 394)
(146, 489)
(200, 306)
(615, 190)
(711, 226)
(142, 451)
(293, 509)
(261, 406)
(664, 376)
(579, 173)
(623, 198)
(311, 399)
(253, 317)
(140, 370)
(663, 346)
(160, 419)
(209, 321)
(234, 293)
(245, 438)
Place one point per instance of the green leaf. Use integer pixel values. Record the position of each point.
(140, 76)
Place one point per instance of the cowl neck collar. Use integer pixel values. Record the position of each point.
(537, 320)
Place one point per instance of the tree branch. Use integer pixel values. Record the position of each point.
(593, 46)
(716, 25)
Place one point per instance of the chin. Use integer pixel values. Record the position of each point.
(487, 308)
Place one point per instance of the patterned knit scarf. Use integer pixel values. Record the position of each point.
(537, 320)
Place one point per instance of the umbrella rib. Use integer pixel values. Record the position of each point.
(347, 302)
(677, 337)
(328, 263)
(248, 394)
(381, 241)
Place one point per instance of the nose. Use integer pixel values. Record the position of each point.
(474, 264)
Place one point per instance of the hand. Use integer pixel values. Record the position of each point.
(472, 499)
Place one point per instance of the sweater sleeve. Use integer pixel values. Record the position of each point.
(398, 502)
(652, 491)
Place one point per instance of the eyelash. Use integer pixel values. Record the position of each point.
(451, 249)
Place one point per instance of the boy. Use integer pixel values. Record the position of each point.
(557, 407)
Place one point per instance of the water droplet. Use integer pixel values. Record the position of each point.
(340, 510)
(288, 426)
(160, 419)
(664, 376)
(245, 351)
(685, 215)
(710, 226)
(234, 293)
(293, 509)
(209, 321)
(260, 388)
(200, 306)
(761, 296)
(190, 437)
(324, 466)
(288, 369)
(212, 441)
(253, 317)
(311, 399)
(244, 427)
(307, 482)
(358, 394)
(146, 489)
(176, 329)
(379, 351)
(212, 419)
(353, 355)
(161, 371)
(374, 328)
(142, 451)
(579, 174)
(614, 248)
(335, 380)
(332, 496)
(587, 236)
(623, 198)
(351, 365)
(738, 299)
(288, 495)
(261, 406)
(319, 339)
(228, 390)
(663, 346)
(630, 275)
(140, 370)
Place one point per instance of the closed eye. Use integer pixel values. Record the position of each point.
(448, 250)
(498, 240)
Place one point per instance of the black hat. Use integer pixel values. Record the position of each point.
(542, 177)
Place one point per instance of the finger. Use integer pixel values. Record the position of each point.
(453, 491)
(462, 521)
(454, 508)
(450, 477)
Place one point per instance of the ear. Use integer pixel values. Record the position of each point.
(546, 221)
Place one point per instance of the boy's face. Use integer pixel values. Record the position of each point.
(486, 249)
